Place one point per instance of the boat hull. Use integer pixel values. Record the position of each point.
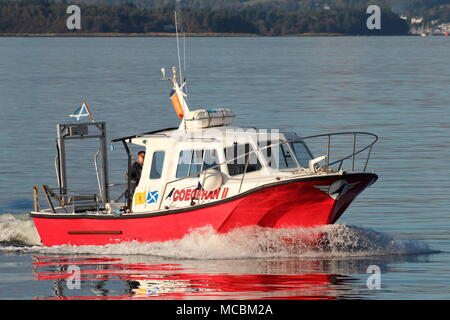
(306, 202)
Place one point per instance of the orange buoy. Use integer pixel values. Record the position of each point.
(177, 105)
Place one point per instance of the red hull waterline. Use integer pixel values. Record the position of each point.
(306, 202)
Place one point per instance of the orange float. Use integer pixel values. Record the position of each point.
(177, 105)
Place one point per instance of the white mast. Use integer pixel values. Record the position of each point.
(178, 47)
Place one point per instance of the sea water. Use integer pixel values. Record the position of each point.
(395, 87)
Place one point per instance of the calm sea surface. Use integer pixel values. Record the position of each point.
(395, 87)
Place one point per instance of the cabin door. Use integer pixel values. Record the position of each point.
(148, 193)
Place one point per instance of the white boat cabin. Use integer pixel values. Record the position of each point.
(186, 168)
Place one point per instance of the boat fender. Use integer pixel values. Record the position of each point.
(177, 106)
(211, 179)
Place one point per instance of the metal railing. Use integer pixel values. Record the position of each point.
(355, 151)
(78, 202)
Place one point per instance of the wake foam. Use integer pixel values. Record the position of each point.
(18, 229)
(340, 240)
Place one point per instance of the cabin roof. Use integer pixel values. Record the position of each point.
(213, 132)
(143, 134)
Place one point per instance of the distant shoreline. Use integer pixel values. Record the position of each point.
(164, 34)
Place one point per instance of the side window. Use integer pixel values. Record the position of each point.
(196, 162)
(192, 162)
(210, 160)
(239, 156)
(183, 164)
(157, 164)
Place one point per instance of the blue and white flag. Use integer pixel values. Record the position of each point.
(82, 111)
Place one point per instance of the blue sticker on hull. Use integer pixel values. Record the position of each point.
(152, 197)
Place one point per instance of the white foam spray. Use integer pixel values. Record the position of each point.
(204, 243)
(18, 229)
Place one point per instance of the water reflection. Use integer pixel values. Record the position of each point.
(142, 277)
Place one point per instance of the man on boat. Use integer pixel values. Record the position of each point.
(136, 170)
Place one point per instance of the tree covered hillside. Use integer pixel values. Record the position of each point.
(45, 16)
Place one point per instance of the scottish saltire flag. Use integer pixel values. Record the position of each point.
(152, 196)
(81, 112)
(184, 88)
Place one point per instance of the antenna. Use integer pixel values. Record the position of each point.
(184, 52)
(178, 96)
(178, 45)
(184, 62)
(163, 71)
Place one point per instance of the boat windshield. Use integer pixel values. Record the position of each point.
(278, 155)
(301, 152)
(241, 158)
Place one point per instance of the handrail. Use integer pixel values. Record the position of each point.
(48, 193)
(354, 153)
(289, 141)
(63, 199)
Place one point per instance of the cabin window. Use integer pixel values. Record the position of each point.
(302, 153)
(278, 155)
(238, 156)
(192, 162)
(157, 164)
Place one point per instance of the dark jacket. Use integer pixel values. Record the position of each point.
(136, 170)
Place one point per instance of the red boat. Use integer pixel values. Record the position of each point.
(205, 172)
